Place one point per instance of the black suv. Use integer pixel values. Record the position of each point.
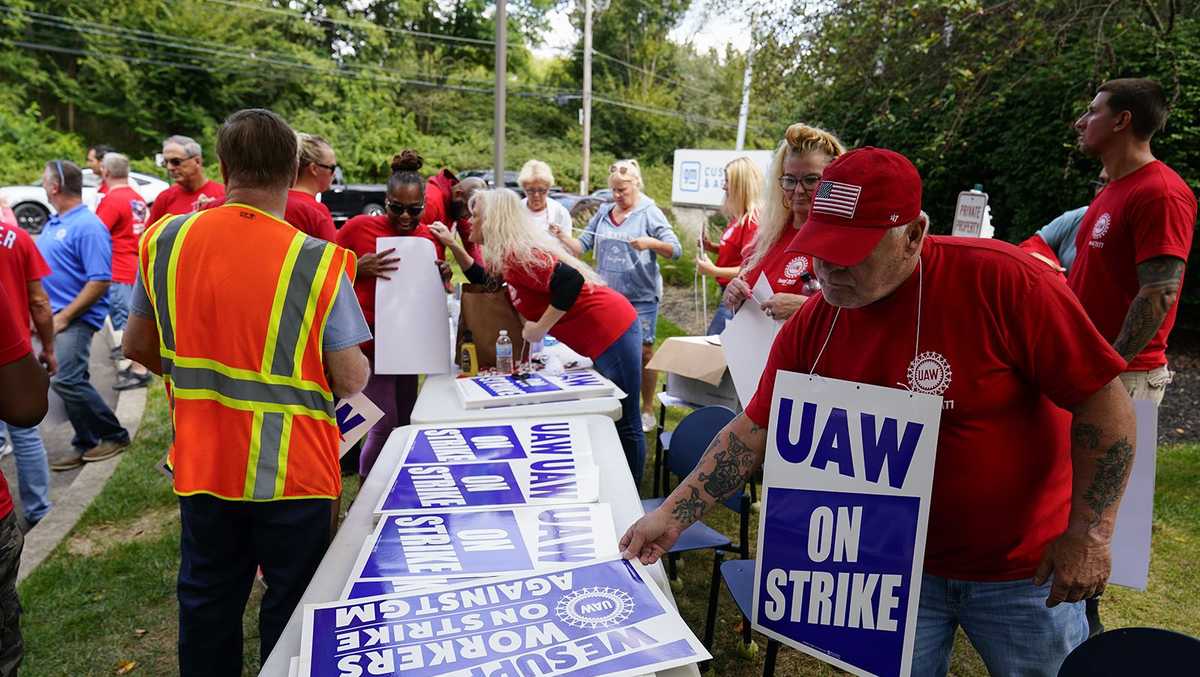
(347, 200)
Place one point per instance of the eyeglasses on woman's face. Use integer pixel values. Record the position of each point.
(788, 182)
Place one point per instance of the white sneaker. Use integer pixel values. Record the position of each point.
(648, 422)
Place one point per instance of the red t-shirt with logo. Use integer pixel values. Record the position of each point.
(597, 319)
(785, 270)
(125, 214)
(305, 214)
(176, 200)
(1006, 344)
(735, 243)
(20, 263)
(1150, 212)
(14, 344)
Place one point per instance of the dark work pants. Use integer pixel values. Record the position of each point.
(222, 544)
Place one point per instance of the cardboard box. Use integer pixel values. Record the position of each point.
(696, 371)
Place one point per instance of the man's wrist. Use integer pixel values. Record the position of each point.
(1096, 531)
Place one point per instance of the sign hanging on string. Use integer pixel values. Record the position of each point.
(494, 391)
(606, 617)
(519, 440)
(841, 542)
(495, 484)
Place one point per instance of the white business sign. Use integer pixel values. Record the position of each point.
(698, 178)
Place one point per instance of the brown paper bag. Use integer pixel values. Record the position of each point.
(485, 310)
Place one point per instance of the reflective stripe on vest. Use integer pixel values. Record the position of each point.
(276, 392)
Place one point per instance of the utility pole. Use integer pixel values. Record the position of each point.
(587, 96)
(744, 113)
(501, 90)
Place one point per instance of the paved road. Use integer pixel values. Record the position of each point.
(56, 429)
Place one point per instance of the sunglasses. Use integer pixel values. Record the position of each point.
(174, 161)
(789, 182)
(332, 168)
(623, 167)
(398, 209)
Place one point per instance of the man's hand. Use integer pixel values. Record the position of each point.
(60, 322)
(649, 538)
(533, 332)
(48, 360)
(1080, 565)
(736, 293)
(782, 306)
(376, 265)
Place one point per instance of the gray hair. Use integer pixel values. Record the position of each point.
(188, 144)
(116, 164)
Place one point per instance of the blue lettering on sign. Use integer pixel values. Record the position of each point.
(508, 386)
(581, 378)
(565, 535)
(553, 478)
(345, 421)
(882, 444)
(551, 438)
(472, 443)
(447, 543)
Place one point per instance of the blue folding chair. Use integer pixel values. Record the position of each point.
(1133, 651)
(738, 575)
(684, 449)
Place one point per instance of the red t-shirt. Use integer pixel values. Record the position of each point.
(597, 319)
(1006, 344)
(734, 243)
(359, 235)
(309, 216)
(1137, 217)
(175, 200)
(784, 270)
(437, 208)
(125, 213)
(20, 264)
(14, 344)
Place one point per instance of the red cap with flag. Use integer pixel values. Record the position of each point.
(861, 195)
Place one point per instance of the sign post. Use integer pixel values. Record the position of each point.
(841, 542)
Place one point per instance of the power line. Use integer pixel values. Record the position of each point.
(652, 74)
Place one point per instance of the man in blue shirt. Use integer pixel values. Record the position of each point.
(78, 249)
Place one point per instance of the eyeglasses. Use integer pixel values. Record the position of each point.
(332, 168)
(788, 182)
(174, 161)
(537, 191)
(398, 209)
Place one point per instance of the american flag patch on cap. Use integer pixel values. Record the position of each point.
(839, 199)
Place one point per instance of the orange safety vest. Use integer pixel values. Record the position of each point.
(241, 300)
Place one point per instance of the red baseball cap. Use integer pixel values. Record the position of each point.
(862, 194)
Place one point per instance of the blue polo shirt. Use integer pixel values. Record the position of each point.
(78, 249)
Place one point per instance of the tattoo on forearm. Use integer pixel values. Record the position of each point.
(689, 509)
(731, 468)
(1159, 279)
(1108, 482)
(1085, 435)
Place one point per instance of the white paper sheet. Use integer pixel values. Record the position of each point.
(355, 416)
(747, 341)
(412, 323)
(1131, 536)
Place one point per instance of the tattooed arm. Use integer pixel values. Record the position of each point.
(1159, 278)
(1103, 432)
(735, 453)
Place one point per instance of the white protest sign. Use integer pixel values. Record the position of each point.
(484, 441)
(431, 545)
(495, 484)
(747, 341)
(355, 416)
(968, 213)
(602, 618)
(412, 322)
(1131, 535)
(698, 176)
(479, 392)
(841, 542)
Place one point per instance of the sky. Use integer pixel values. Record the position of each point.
(702, 31)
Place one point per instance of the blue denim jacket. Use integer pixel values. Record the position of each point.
(633, 273)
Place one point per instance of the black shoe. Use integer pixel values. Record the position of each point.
(131, 380)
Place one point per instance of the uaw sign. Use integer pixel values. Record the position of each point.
(499, 484)
(841, 541)
(497, 442)
(435, 545)
(356, 589)
(602, 618)
(479, 392)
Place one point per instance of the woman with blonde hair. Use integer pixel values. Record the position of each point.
(629, 234)
(536, 179)
(314, 176)
(743, 185)
(791, 183)
(554, 290)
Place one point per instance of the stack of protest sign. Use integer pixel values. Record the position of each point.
(502, 390)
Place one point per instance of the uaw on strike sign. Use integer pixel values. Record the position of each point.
(601, 618)
(841, 542)
(497, 441)
(479, 392)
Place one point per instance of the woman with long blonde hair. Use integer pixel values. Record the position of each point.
(554, 290)
(791, 183)
(743, 186)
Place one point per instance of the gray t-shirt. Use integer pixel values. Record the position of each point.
(345, 327)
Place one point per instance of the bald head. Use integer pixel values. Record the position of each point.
(461, 194)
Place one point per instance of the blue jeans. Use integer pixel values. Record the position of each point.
(723, 315)
(621, 363)
(119, 295)
(647, 312)
(1007, 622)
(91, 418)
(33, 470)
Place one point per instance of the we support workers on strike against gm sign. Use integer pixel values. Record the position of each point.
(848, 476)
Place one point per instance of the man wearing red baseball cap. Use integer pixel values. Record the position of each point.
(1035, 444)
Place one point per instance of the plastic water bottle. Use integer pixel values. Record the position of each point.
(504, 353)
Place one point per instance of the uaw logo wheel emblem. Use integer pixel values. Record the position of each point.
(796, 267)
(929, 374)
(1101, 226)
(593, 608)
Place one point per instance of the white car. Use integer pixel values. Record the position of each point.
(31, 207)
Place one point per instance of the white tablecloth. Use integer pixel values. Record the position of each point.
(438, 403)
(616, 489)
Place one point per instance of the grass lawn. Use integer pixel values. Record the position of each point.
(106, 596)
